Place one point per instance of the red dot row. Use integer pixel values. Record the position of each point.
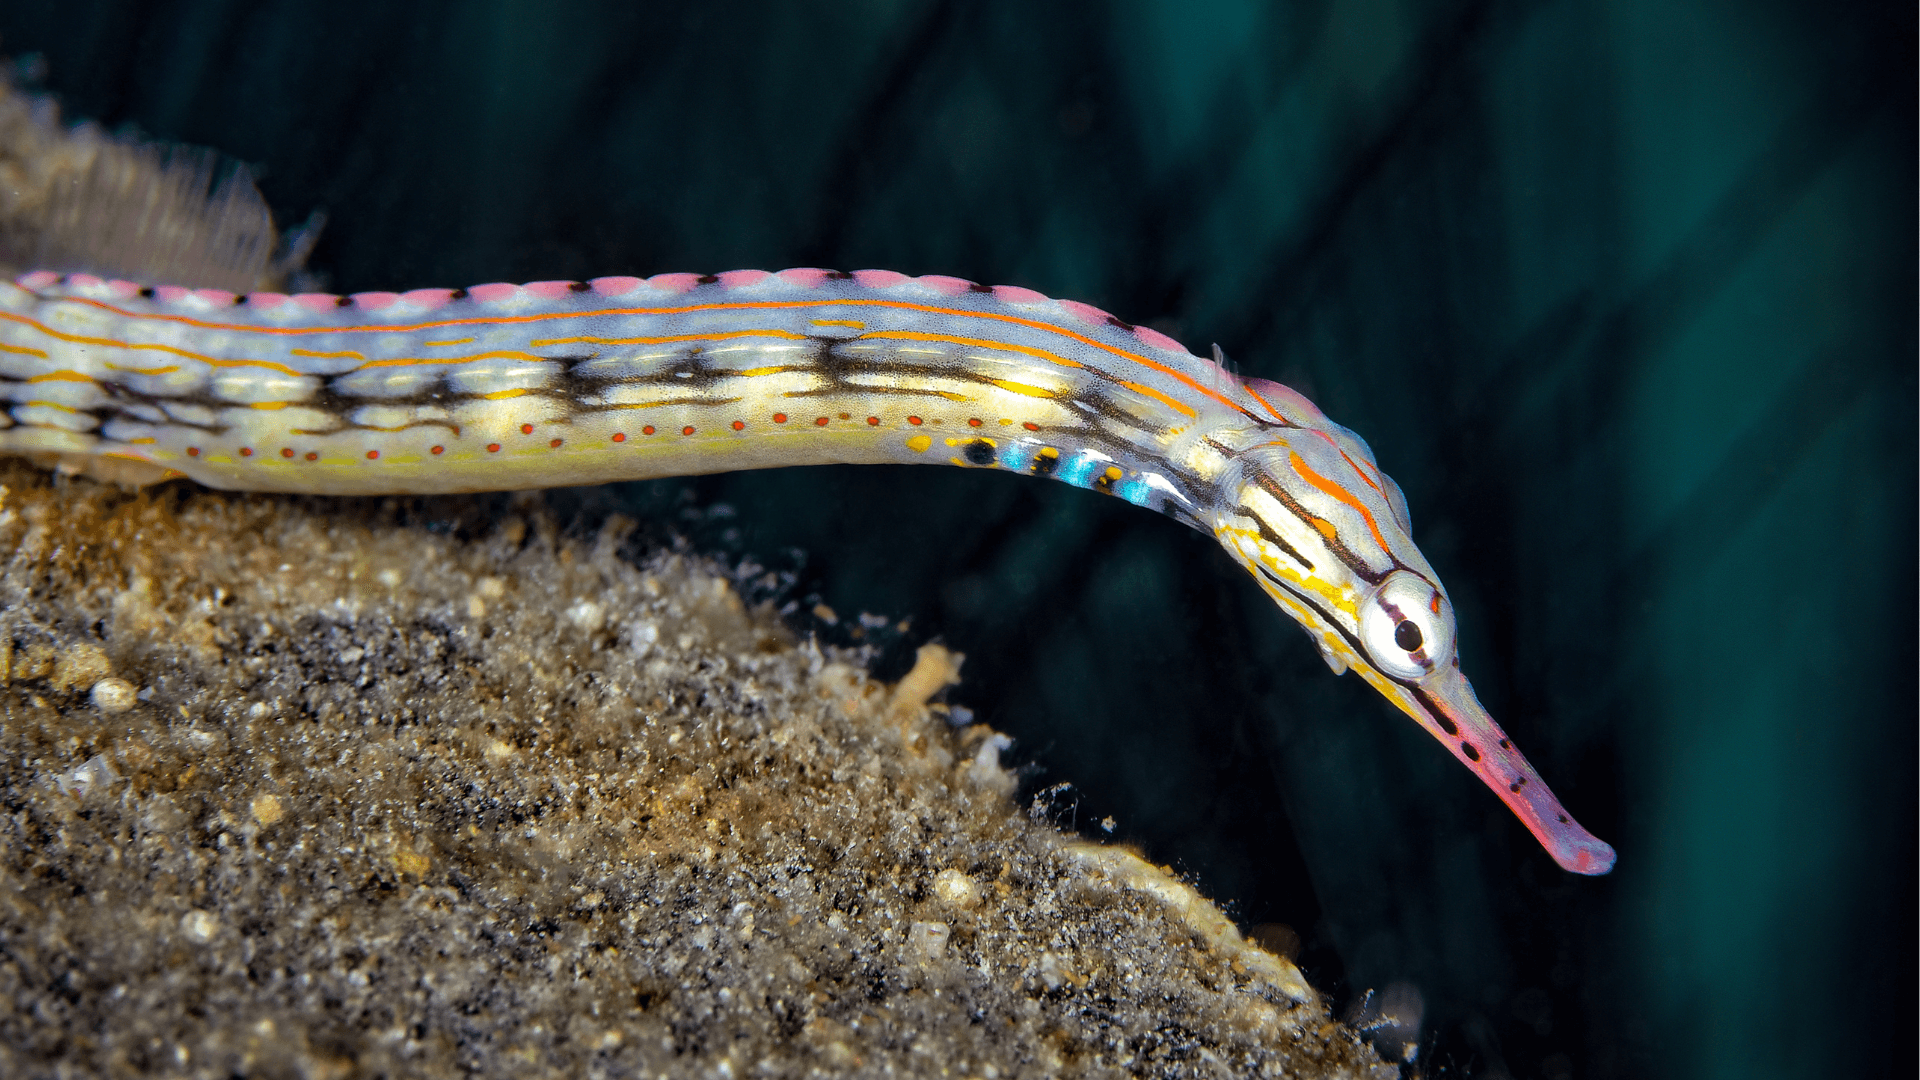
(618, 436)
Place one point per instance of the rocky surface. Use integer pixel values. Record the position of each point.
(336, 789)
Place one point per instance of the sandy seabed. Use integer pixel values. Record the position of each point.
(312, 788)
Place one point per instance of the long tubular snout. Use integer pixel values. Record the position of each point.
(1455, 716)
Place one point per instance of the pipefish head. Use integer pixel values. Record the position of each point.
(1328, 537)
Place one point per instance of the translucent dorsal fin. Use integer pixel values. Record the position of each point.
(1226, 376)
(114, 206)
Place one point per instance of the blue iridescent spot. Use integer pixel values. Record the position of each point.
(1081, 469)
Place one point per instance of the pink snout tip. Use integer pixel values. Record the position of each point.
(1584, 854)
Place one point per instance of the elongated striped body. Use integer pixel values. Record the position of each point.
(559, 383)
(556, 383)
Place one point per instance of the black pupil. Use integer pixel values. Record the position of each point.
(1407, 635)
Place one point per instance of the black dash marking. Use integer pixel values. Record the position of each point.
(1514, 787)
(974, 286)
(1327, 617)
(1472, 751)
(1340, 551)
(1434, 710)
(1270, 536)
(1563, 819)
(581, 286)
(1505, 745)
(457, 294)
(1121, 323)
(980, 452)
(343, 301)
(1045, 464)
(146, 292)
(707, 279)
(239, 298)
(839, 275)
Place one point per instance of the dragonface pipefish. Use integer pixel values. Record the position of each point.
(553, 383)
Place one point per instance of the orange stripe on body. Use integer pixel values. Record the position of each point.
(1178, 406)
(972, 343)
(1334, 489)
(1248, 387)
(1362, 473)
(755, 305)
(79, 339)
(670, 340)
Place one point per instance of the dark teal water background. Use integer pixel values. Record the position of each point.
(1623, 294)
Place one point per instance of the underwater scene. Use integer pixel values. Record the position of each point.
(1622, 296)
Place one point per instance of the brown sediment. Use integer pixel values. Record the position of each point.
(309, 787)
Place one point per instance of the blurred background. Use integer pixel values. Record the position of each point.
(1623, 294)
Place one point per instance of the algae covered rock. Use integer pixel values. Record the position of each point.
(309, 788)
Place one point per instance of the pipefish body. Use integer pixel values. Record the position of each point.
(502, 387)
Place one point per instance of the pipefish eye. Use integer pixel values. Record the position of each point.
(1407, 626)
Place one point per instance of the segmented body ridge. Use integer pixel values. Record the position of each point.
(616, 378)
